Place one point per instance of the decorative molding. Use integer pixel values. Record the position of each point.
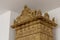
(31, 22)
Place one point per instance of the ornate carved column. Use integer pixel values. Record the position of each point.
(31, 25)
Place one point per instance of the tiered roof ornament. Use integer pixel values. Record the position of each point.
(29, 15)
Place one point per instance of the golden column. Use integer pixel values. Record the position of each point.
(31, 25)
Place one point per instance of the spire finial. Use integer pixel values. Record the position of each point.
(25, 6)
(46, 15)
(39, 12)
(53, 19)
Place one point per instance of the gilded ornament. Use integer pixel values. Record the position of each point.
(31, 25)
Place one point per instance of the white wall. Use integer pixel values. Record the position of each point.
(56, 13)
(6, 20)
(17, 5)
(12, 31)
(4, 25)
